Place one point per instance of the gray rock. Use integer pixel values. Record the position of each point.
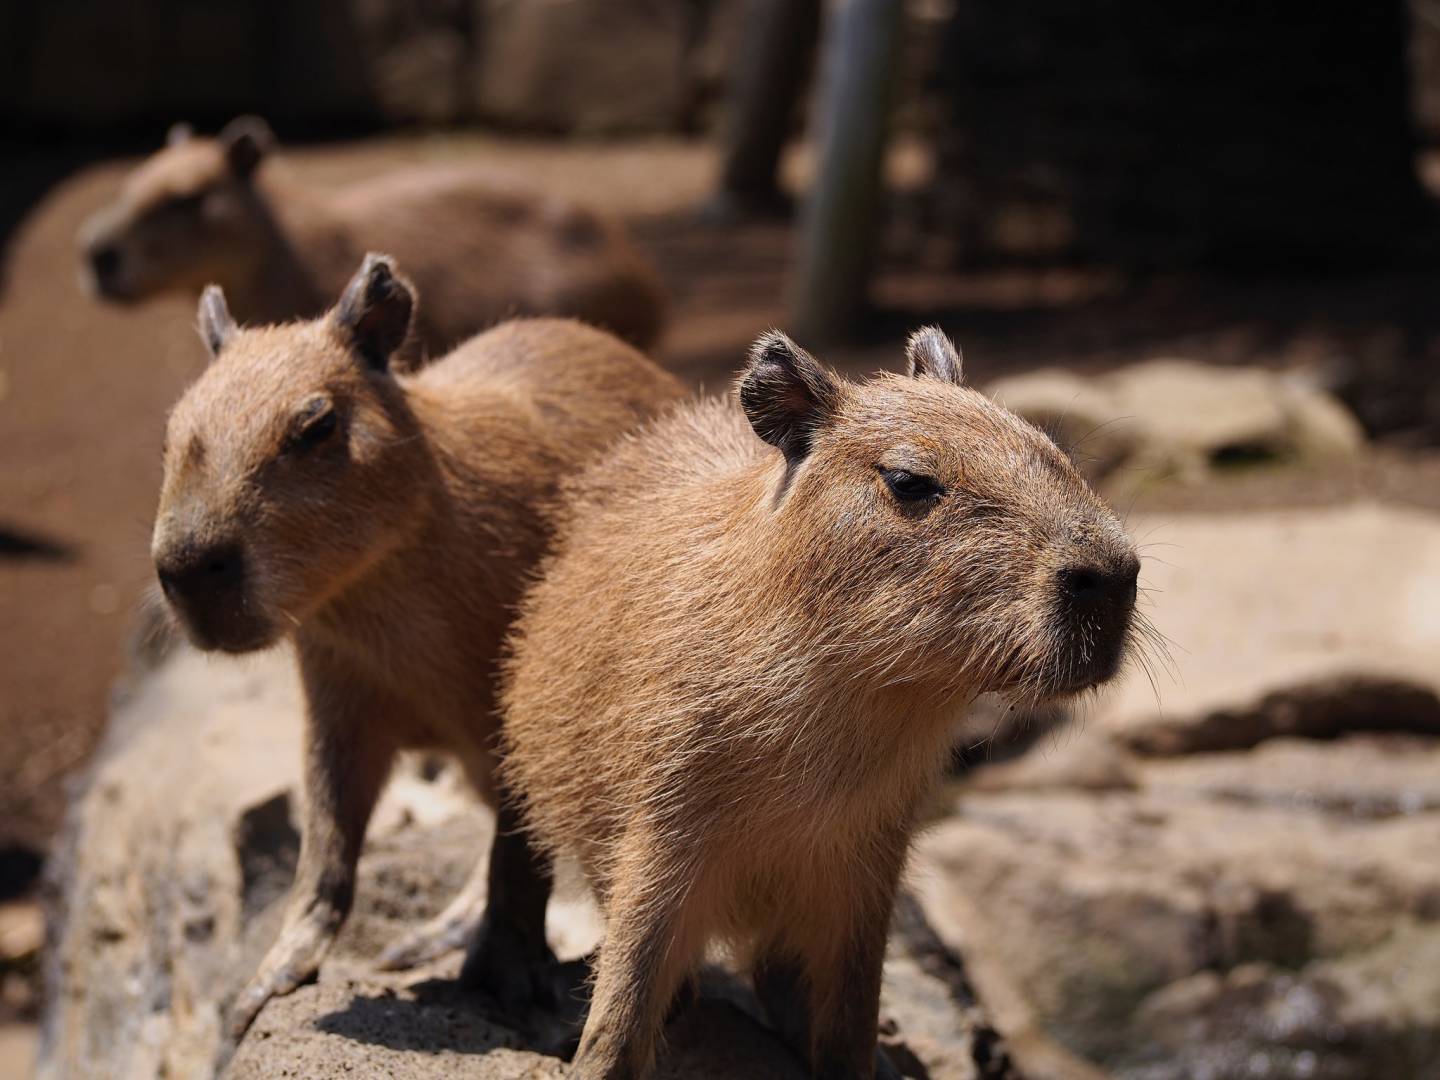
(172, 874)
(1366, 1015)
(1180, 418)
(1133, 923)
(1207, 876)
(1285, 622)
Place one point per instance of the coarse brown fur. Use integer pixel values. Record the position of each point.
(481, 247)
(387, 524)
(742, 669)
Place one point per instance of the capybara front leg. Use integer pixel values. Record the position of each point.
(784, 991)
(846, 967)
(651, 941)
(347, 761)
(508, 956)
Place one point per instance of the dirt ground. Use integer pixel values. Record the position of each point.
(84, 388)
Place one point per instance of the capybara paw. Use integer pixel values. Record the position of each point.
(245, 1008)
(293, 962)
(516, 972)
(261, 989)
(592, 1065)
(431, 941)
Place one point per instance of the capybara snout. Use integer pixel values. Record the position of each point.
(207, 581)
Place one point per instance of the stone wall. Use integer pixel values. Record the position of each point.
(561, 65)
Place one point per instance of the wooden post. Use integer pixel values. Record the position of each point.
(838, 225)
(772, 69)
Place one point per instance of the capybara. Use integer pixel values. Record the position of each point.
(480, 247)
(746, 659)
(386, 525)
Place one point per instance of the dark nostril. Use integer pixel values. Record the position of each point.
(1080, 584)
(105, 260)
(1091, 586)
(190, 572)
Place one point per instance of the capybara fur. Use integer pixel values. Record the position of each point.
(480, 247)
(746, 660)
(386, 524)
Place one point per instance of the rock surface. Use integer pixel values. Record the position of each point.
(1235, 873)
(174, 869)
(1179, 418)
(1296, 886)
(1302, 622)
(577, 65)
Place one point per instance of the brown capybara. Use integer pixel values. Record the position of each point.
(480, 248)
(745, 662)
(386, 525)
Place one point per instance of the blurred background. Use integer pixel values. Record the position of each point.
(1198, 242)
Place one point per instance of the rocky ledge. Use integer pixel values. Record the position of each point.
(1233, 873)
(172, 877)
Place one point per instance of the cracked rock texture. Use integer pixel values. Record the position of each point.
(173, 874)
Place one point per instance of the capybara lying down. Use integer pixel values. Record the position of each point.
(480, 249)
(386, 524)
(747, 659)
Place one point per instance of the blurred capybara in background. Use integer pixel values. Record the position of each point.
(745, 664)
(205, 211)
(387, 524)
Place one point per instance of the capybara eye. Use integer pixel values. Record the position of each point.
(313, 426)
(912, 487)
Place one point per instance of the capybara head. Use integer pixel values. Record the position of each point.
(962, 547)
(291, 465)
(188, 216)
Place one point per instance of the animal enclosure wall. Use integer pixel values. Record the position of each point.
(1272, 132)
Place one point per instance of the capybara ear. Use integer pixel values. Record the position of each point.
(179, 133)
(217, 325)
(374, 312)
(246, 140)
(931, 353)
(787, 394)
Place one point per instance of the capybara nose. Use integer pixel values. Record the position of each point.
(196, 575)
(1092, 586)
(105, 261)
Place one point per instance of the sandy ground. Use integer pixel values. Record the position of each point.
(17, 1051)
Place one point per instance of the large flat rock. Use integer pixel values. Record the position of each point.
(174, 868)
(1131, 923)
(1234, 871)
(1233, 874)
(1181, 419)
(1270, 616)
